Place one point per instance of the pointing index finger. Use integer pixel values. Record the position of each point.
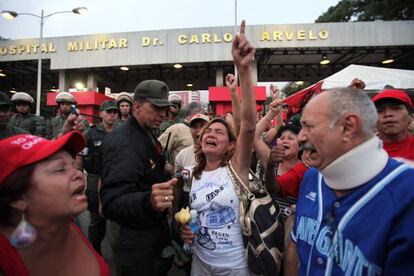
(242, 27)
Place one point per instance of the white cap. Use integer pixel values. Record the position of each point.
(124, 96)
(174, 98)
(22, 96)
(65, 97)
(199, 116)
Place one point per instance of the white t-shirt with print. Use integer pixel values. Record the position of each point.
(219, 242)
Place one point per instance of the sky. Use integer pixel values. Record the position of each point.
(108, 16)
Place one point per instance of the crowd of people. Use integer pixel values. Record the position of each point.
(342, 177)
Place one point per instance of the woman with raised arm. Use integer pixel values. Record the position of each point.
(280, 155)
(218, 245)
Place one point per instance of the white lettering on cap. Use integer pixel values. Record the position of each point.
(20, 140)
(28, 141)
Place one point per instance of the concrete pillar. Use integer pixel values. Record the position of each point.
(91, 83)
(62, 81)
(254, 72)
(219, 77)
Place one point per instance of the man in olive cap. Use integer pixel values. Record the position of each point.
(136, 192)
(6, 130)
(91, 163)
(24, 119)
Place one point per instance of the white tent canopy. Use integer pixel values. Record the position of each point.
(375, 78)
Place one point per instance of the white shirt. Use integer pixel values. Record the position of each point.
(219, 242)
(184, 162)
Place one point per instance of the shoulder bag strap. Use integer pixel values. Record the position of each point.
(241, 188)
(245, 197)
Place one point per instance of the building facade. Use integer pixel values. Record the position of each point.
(283, 53)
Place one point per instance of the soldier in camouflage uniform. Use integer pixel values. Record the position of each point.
(64, 101)
(173, 113)
(24, 119)
(91, 163)
(6, 130)
(124, 103)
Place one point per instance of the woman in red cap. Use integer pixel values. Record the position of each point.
(41, 192)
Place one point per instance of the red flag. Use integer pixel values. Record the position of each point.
(298, 100)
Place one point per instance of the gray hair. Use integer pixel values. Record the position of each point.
(351, 100)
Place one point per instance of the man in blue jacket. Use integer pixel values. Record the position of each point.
(355, 209)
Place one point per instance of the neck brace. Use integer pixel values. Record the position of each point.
(357, 166)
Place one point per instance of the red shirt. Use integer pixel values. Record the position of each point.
(404, 148)
(11, 264)
(289, 182)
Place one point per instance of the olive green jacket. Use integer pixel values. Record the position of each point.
(33, 124)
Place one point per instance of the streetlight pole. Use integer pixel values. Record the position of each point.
(39, 65)
(42, 17)
(235, 15)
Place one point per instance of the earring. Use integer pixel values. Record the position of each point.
(24, 235)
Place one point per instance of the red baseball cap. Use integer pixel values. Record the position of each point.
(25, 149)
(395, 94)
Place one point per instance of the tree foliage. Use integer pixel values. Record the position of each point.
(295, 87)
(369, 10)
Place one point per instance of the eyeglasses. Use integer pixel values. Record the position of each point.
(112, 111)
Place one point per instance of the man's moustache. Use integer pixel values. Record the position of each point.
(308, 146)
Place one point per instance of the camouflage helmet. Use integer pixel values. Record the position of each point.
(65, 97)
(4, 99)
(174, 99)
(22, 96)
(124, 96)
